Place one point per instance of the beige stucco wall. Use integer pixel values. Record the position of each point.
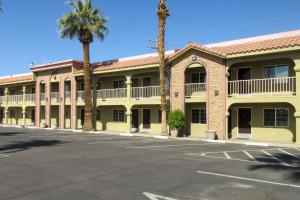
(261, 133)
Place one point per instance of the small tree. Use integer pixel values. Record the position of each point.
(176, 121)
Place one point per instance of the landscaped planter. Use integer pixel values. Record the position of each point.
(43, 125)
(174, 132)
(211, 134)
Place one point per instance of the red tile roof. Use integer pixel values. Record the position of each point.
(16, 79)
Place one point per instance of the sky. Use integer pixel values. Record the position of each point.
(29, 28)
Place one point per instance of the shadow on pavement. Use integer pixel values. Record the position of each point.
(22, 146)
(11, 133)
(292, 172)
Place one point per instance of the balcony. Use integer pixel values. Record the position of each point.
(112, 93)
(55, 96)
(2, 99)
(270, 86)
(195, 89)
(30, 98)
(15, 99)
(43, 97)
(80, 96)
(146, 92)
(68, 96)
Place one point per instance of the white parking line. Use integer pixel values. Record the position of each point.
(4, 155)
(275, 158)
(124, 141)
(226, 155)
(174, 145)
(249, 179)
(288, 153)
(249, 155)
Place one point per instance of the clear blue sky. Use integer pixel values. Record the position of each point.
(29, 28)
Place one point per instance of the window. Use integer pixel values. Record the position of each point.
(198, 77)
(98, 85)
(118, 115)
(119, 84)
(135, 82)
(199, 116)
(98, 115)
(277, 117)
(278, 71)
(13, 114)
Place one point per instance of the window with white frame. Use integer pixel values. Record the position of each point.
(199, 77)
(277, 71)
(118, 115)
(199, 116)
(118, 84)
(276, 117)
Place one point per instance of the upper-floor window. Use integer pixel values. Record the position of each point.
(277, 71)
(199, 77)
(135, 82)
(119, 84)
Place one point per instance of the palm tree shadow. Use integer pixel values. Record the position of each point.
(11, 133)
(22, 146)
(291, 170)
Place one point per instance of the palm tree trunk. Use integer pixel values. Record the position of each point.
(162, 14)
(88, 125)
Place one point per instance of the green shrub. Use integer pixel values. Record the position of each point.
(176, 119)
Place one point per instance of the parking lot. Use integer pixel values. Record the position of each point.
(47, 164)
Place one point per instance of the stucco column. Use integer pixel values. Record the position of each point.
(94, 101)
(73, 104)
(24, 117)
(62, 104)
(6, 92)
(297, 105)
(48, 103)
(128, 86)
(6, 113)
(226, 128)
(37, 104)
(128, 120)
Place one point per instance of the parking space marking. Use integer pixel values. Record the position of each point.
(249, 155)
(226, 155)
(156, 197)
(249, 179)
(288, 153)
(124, 141)
(275, 158)
(171, 145)
(4, 155)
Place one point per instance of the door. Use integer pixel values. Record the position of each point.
(146, 84)
(32, 116)
(82, 117)
(244, 74)
(135, 120)
(244, 122)
(146, 120)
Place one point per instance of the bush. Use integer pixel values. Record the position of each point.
(176, 119)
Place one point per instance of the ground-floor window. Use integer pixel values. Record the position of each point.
(98, 115)
(276, 117)
(118, 115)
(13, 114)
(199, 116)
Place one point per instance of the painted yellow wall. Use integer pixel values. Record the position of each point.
(195, 130)
(261, 133)
(18, 119)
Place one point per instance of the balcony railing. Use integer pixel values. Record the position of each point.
(30, 97)
(268, 86)
(68, 96)
(55, 96)
(195, 89)
(146, 92)
(2, 99)
(112, 93)
(43, 97)
(80, 96)
(15, 99)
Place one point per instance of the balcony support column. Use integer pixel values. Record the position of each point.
(24, 116)
(94, 101)
(128, 119)
(297, 106)
(227, 125)
(48, 103)
(6, 113)
(297, 116)
(129, 86)
(37, 104)
(6, 93)
(73, 103)
(62, 104)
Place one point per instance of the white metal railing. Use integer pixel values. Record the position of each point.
(30, 97)
(195, 89)
(80, 96)
(55, 96)
(43, 97)
(271, 86)
(2, 99)
(15, 99)
(112, 93)
(68, 96)
(146, 92)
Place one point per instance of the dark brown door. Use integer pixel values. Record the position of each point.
(244, 120)
(146, 118)
(82, 117)
(32, 116)
(135, 118)
(244, 74)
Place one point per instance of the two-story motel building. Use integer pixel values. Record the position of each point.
(247, 88)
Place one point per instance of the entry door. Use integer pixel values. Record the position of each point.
(146, 119)
(244, 122)
(82, 117)
(32, 116)
(244, 74)
(135, 120)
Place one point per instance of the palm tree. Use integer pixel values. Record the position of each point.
(84, 23)
(162, 13)
(1, 9)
